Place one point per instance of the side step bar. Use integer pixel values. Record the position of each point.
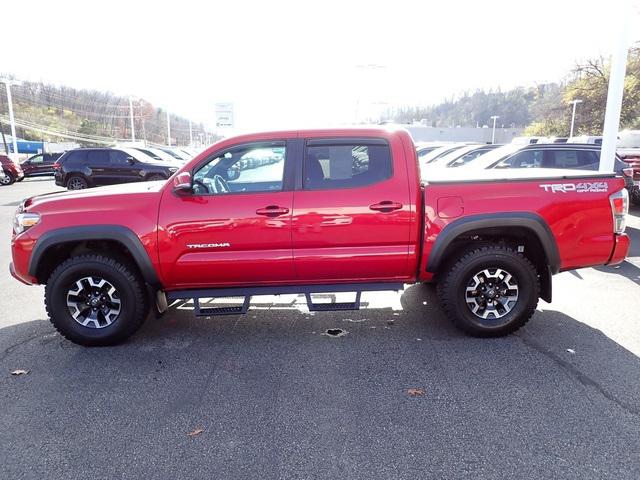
(307, 290)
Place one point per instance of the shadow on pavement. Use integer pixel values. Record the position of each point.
(277, 399)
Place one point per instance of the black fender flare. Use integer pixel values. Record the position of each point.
(118, 233)
(531, 221)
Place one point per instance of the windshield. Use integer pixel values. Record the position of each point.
(438, 152)
(456, 153)
(494, 156)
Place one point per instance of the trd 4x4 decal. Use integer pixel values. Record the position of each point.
(582, 187)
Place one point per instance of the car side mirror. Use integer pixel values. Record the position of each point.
(182, 183)
(130, 160)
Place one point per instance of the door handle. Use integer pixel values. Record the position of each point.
(272, 211)
(385, 206)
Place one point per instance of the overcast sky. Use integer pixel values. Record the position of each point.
(305, 62)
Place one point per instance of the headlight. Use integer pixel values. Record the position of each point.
(23, 221)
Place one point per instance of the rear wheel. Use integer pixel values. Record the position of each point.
(490, 291)
(94, 300)
(77, 182)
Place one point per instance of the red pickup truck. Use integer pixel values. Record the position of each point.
(314, 211)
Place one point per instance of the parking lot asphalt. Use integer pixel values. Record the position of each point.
(275, 398)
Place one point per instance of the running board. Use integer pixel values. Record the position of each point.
(307, 290)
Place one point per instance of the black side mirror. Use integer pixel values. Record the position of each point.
(130, 160)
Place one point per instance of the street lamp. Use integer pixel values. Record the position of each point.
(8, 84)
(133, 132)
(573, 114)
(493, 134)
(168, 129)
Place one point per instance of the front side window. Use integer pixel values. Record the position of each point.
(245, 168)
(37, 159)
(118, 157)
(524, 159)
(345, 166)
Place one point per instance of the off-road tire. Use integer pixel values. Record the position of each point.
(454, 280)
(130, 287)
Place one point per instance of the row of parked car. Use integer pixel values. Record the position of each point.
(88, 167)
(436, 158)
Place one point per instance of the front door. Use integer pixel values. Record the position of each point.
(235, 227)
(352, 216)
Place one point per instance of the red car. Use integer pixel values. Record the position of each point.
(308, 212)
(12, 171)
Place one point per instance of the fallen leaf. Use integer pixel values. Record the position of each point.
(19, 372)
(415, 392)
(195, 433)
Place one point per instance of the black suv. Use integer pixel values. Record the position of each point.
(92, 167)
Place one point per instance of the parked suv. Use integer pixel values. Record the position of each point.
(12, 171)
(40, 164)
(92, 167)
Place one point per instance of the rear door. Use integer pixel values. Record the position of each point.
(351, 212)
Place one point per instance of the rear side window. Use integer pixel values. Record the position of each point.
(97, 157)
(346, 166)
(76, 156)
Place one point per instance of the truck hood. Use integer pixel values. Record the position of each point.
(75, 196)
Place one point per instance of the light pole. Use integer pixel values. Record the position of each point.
(168, 130)
(133, 133)
(190, 134)
(573, 115)
(8, 84)
(493, 134)
(616, 86)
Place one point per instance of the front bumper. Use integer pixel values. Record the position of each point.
(27, 280)
(620, 249)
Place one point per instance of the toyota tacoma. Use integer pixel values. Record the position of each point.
(308, 212)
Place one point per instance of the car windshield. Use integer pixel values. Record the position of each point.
(438, 152)
(138, 155)
(453, 155)
(494, 156)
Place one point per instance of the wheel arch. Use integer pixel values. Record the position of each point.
(65, 241)
(517, 228)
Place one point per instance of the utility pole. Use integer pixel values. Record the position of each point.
(190, 134)
(4, 140)
(133, 132)
(616, 86)
(168, 130)
(493, 134)
(573, 115)
(8, 84)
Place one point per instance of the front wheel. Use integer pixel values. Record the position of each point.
(490, 291)
(94, 300)
(8, 179)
